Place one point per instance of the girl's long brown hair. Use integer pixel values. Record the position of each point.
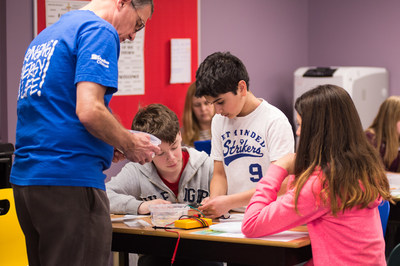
(384, 127)
(191, 128)
(332, 138)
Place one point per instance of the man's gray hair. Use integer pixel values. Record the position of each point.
(141, 3)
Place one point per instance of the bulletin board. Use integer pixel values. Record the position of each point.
(171, 19)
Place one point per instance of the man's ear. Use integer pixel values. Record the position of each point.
(121, 3)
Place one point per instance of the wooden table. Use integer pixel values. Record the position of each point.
(208, 247)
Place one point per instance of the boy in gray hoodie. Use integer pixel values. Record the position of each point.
(176, 175)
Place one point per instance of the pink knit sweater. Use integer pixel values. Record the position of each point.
(351, 238)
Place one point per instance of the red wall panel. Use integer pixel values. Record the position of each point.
(171, 19)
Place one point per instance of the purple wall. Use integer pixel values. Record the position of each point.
(19, 27)
(274, 37)
(3, 74)
(356, 33)
(270, 37)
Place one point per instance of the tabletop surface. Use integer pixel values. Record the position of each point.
(207, 234)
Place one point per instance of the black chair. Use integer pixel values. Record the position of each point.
(6, 152)
(394, 257)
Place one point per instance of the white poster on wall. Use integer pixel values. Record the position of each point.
(131, 59)
(180, 61)
(131, 66)
(56, 8)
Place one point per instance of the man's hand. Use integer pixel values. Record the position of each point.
(140, 149)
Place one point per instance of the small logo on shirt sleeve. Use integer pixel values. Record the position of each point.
(100, 60)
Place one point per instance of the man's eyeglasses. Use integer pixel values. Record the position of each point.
(140, 25)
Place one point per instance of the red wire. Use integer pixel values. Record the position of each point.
(179, 238)
(176, 246)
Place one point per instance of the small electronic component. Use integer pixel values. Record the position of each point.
(193, 222)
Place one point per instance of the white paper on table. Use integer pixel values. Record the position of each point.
(394, 183)
(284, 236)
(232, 227)
(180, 61)
(232, 231)
(128, 217)
(137, 223)
(233, 217)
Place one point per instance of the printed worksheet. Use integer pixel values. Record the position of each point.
(284, 236)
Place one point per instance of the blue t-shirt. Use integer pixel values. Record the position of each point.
(52, 146)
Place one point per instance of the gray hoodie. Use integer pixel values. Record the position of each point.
(137, 183)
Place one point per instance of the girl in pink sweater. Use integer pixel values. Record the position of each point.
(337, 182)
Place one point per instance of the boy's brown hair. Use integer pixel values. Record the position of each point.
(158, 120)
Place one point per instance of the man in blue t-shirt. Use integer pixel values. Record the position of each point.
(66, 134)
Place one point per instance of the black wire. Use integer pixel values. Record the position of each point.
(199, 219)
